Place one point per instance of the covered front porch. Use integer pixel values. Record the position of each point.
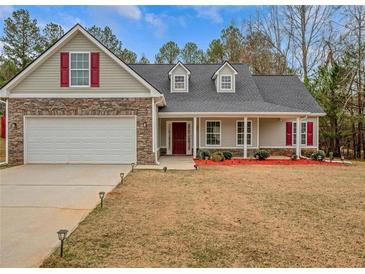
(241, 135)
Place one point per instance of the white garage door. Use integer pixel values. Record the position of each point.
(109, 140)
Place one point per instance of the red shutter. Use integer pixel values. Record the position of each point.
(309, 133)
(64, 69)
(289, 132)
(3, 126)
(95, 71)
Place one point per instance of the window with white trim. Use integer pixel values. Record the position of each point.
(179, 82)
(226, 82)
(240, 132)
(80, 69)
(303, 133)
(213, 133)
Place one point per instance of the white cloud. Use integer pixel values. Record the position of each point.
(155, 22)
(5, 11)
(209, 12)
(131, 12)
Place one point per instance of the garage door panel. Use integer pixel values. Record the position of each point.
(80, 140)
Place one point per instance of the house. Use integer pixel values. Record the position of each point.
(79, 103)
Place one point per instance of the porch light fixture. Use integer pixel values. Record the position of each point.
(121, 177)
(14, 125)
(62, 233)
(101, 196)
(165, 168)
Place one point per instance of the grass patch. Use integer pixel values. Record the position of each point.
(232, 216)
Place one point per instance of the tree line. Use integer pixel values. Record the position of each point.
(326, 52)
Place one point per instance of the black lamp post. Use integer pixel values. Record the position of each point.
(62, 233)
(101, 196)
(121, 177)
(133, 165)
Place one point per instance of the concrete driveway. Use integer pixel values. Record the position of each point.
(38, 200)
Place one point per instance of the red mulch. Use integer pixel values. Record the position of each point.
(263, 162)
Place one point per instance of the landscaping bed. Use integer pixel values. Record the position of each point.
(239, 161)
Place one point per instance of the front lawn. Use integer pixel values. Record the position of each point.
(227, 216)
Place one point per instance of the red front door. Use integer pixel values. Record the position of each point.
(178, 138)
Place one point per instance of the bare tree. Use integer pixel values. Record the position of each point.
(272, 28)
(355, 51)
(307, 27)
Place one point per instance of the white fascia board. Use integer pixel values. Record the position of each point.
(82, 95)
(179, 64)
(237, 114)
(222, 66)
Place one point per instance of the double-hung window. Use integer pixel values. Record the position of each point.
(226, 82)
(179, 82)
(240, 132)
(213, 133)
(303, 133)
(80, 69)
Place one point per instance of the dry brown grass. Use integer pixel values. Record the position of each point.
(241, 216)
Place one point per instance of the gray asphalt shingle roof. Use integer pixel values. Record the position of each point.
(253, 93)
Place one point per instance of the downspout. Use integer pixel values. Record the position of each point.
(6, 131)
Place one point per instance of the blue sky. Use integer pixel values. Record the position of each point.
(144, 29)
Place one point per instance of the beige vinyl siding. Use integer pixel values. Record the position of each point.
(162, 122)
(273, 131)
(228, 132)
(113, 78)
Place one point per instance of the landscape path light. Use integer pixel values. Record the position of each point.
(121, 177)
(101, 196)
(62, 233)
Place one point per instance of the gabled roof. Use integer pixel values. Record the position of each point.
(268, 94)
(226, 63)
(62, 41)
(181, 65)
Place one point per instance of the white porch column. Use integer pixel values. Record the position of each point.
(194, 138)
(245, 137)
(298, 137)
(258, 133)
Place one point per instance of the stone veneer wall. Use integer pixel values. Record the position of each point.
(141, 107)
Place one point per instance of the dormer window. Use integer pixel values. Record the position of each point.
(224, 78)
(179, 82)
(226, 82)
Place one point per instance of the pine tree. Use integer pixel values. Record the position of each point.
(22, 40)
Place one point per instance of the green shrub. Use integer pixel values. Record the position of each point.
(262, 154)
(203, 153)
(227, 155)
(318, 156)
(217, 156)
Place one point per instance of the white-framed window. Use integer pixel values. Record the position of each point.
(240, 132)
(226, 82)
(303, 133)
(179, 82)
(213, 133)
(80, 69)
